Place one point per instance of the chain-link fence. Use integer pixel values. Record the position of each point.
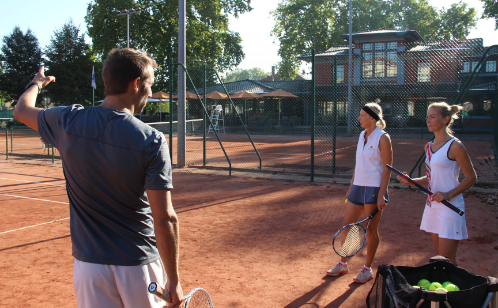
(310, 127)
(291, 126)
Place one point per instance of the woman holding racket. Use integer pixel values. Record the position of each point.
(368, 189)
(445, 157)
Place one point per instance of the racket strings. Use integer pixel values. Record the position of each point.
(198, 299)
(349, 240)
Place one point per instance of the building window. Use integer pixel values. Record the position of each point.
(379, 63)
(474, 64)
(486, 105)
(411, 109)
(367, 65)
(392, 64)
(340, 74)
(367, 46)
(392, 45)
(491, 66)
(424, 72)
(465, 67)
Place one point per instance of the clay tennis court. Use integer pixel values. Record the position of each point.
(280, 153)
(249, 242)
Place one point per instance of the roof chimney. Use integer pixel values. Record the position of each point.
(273, 70)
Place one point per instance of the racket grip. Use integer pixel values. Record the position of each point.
(155, 289)
(454, 208)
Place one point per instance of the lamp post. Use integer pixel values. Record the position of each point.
(128, 12)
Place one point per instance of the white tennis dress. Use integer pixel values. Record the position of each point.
(443, 174)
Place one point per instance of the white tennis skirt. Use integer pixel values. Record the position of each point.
(441, 220)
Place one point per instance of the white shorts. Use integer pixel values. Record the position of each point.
(441, 220)
(113, 286)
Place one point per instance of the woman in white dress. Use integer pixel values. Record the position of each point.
(445, 157)
(368, 188)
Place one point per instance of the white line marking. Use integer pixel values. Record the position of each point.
(33, 182)
(44, 223)
(324, 153)
(34, 198)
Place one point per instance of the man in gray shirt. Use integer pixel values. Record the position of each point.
(124, 229)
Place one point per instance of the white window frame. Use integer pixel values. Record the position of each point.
(424, 72)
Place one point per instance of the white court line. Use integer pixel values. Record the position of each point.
(331, 151)
(1, 194)
(44, 223)
(33, 182)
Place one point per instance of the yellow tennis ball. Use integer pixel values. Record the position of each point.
(441, 290)
(423, 282)
(416, 287)
(346, 201)
(434, 286)
(451, 287)
(446, 283)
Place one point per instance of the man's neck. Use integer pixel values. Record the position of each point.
(120, 102)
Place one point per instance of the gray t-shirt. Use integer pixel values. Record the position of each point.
(109, 159)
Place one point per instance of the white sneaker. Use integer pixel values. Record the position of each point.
(364, 276)
(338, 269)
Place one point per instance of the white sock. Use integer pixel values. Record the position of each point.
(343, 263)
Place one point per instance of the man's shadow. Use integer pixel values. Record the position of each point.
(303, 301)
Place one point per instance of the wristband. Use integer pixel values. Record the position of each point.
(36, 84)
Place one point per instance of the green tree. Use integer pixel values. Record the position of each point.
(491, 10)
(21, 57)
(456, 22)
(303, 25)
(255, 73)
(209, 40)
(70, 60)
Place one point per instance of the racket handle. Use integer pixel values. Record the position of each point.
(155, 289)
(374, 212)
(451, 206)
(454, 208)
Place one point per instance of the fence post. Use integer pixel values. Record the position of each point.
(313, 113)
(11, 139)
(496, 119)
(204, 120)
(7, 143)
(334, 119)
(170, 68)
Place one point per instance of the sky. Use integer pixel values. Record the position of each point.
(254, 27)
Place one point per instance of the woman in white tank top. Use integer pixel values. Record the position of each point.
(445, 157)
(368, 188)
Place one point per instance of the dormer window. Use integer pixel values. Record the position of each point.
(379, 61)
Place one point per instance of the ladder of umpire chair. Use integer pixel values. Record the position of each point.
(217, 119)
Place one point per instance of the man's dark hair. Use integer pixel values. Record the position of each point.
(122, 66)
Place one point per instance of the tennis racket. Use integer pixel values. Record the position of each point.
(351, 238)
(451, 206)
(196, 298)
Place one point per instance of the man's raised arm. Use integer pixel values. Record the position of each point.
(25, 110)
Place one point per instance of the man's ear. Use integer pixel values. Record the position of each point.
(135, 85)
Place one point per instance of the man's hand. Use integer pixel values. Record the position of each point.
(176, 293)
(41, 79)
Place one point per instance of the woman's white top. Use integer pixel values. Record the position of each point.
(442, 173)
(368, 170)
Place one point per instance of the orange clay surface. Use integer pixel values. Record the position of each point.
(249, 242)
